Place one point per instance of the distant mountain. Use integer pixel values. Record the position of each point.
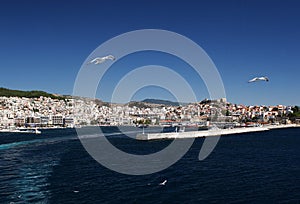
(163, 102)
(138, 104)
(27, 94)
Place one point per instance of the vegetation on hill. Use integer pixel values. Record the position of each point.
(162, 102)
(27, 94)
(295, 114)
(138, 104)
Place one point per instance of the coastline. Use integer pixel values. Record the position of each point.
(171, 135)
(270, 127)
(209, 133)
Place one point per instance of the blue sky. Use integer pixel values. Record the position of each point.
(44, 43)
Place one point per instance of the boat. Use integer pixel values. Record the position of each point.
(203, 127)
(36, 131)
(33, 131)
(25, 130)
(176, 128)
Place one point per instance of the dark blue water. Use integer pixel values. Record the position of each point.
(54, 168)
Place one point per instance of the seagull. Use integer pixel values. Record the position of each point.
(258, 79)
(99, 60)
(163, 183)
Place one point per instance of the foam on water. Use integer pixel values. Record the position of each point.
(14, 144)
(57, 139)
(258, 168)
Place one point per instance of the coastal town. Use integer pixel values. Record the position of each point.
(46, 112)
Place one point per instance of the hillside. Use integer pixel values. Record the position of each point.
(27, 94)
(163, 102)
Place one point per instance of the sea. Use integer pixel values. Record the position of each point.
(54, 167)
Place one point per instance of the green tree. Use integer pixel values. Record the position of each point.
(227, 113)
(295, 109)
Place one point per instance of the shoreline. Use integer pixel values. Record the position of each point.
(172, 135)
(210, 133)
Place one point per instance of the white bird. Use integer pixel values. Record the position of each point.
(163, 183)
(99, 60)
(258, 79)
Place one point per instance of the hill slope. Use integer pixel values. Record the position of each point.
(163, 102)
(27, 94)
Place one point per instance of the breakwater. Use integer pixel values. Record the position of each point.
(206, 133)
